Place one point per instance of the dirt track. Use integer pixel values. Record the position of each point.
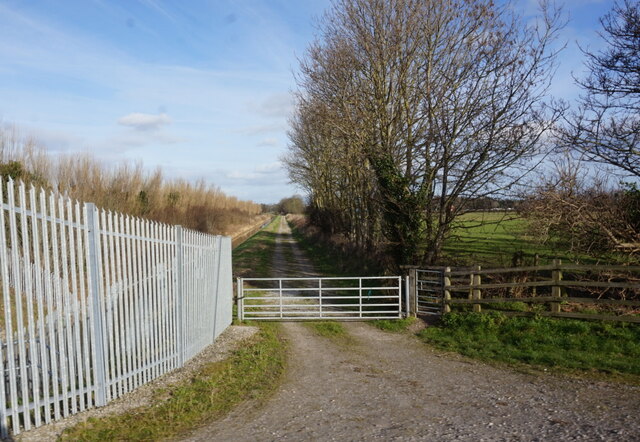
(392, 387)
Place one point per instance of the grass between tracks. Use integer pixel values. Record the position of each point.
(332, 330)
(330, 262)
(252, 372)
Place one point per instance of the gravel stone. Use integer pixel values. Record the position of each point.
(393, 387)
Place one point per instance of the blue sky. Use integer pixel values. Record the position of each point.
(200, 88)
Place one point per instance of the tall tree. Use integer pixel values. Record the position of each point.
(439, 102)
(606, 127)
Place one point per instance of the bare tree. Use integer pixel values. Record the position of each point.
(326, 156)
(582, 213)
(439, 102)
(606, 127)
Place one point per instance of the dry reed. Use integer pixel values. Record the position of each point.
(125, 187)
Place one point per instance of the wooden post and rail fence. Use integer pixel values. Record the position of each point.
(569, 290)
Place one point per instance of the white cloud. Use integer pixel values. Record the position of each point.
(262, 172)
(262, 129)
(277, 106)
(201, 126)
(269, 168)
(127, 141)
(265, 183)
(268, 142)
(51, 140)
(141, 121)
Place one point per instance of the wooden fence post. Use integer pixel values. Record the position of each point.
(476, 293)
(446, 282)
(555, 289)
(534, 289)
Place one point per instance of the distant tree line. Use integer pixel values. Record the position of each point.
(294, 204)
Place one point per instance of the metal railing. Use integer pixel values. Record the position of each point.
(350, 298)
(429, 291)
(95, 303)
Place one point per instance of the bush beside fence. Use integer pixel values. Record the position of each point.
(96, 303)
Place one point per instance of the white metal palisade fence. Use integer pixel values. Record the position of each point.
(96, 303)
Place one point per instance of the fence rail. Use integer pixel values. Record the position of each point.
(96, 303)
(566, 288)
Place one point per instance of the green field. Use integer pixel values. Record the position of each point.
(498, 239)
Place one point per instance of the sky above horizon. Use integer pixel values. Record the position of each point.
(201, 88)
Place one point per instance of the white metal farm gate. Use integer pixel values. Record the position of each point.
(352, 298)
(95, 303)
(429, 288)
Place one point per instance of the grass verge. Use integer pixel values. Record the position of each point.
(332, 330)
(254, 257)
(394, 325)
(569, 345)
(252, 372)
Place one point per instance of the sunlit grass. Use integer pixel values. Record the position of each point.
(394, 325)
(332, 330)
(254, 257)
(581, 346)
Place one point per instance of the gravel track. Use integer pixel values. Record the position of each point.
(393, 387)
